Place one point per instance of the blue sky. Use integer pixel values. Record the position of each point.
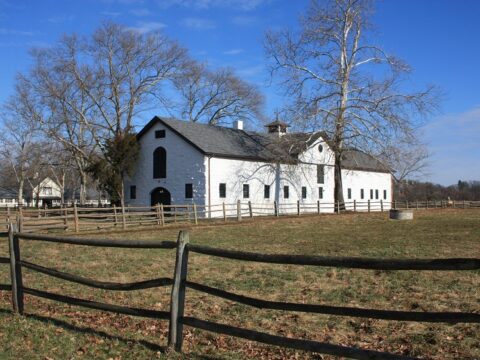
(439, 39)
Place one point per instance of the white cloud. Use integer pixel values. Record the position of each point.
(60, 19)
(453, 140)
(233, 52)
(251, 71)
(244, 20)
(245, 5)
(141, 12)
(146, 27)
(4, 31)
(111, 13)
(198, 23)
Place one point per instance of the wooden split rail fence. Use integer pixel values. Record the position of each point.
(76, 219)
(179, 284)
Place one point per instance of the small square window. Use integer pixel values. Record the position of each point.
(304, 192)
(384, 194)
(362, 194)
(320, 192)
(266, 192)
(246, 191)
(159, 134)
(376, 194)
(222, 190)
(188, 191)
(371, 194)
(286, 192)
(133, 192)
(349, 193)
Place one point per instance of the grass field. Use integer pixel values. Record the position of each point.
(53, 330)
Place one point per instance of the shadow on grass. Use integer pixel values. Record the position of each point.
(88, 330)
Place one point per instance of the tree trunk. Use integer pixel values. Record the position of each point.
(83, 187)
(338, 191)
(122, 193)
(20, 192)
(62, 189)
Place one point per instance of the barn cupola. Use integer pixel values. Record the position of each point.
(277, 127)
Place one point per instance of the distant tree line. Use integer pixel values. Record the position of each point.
(416, 190)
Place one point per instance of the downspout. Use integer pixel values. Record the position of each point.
(209, 190)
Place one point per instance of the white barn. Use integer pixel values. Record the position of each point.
(183, 162)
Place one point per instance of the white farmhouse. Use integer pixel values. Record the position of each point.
(46, 194)
(183, 162)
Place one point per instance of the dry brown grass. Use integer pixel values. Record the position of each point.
(441, 233)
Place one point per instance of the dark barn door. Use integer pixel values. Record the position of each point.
(160, 195)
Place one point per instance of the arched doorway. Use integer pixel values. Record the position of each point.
(160, 195)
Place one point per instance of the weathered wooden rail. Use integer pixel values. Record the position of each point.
(77, 219)
(179, 284)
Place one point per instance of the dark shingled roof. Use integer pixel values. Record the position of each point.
(240, 144)
(358, 160)
(8, 193)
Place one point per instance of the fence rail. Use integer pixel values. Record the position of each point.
(179, 284)
(76, 219)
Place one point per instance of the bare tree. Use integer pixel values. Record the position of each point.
(59, 109)
(21, 144)
(407, 160)
(217, 96)
(341, 83)
(87, 91)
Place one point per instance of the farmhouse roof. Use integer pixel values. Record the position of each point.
(226, 142)
(8, 193)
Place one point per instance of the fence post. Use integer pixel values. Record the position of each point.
(354, 206)
(224, 212)
(275, 207)
(195, 217)
(368, 205)
(464, 204)
(162, 215)
(453, 204)
(298, 207)
(177, 299)
(65, 222)
(318, 206)
(395, 204)
(250, 211)
(15, 271)
(416, 204)
(239, 210)
(338, 207)
(381, 205)
(115, 214)
(75, 218)
(157, 213)
(19, 223)
(124, 219)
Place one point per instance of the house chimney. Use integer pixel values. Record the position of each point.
(238, 124)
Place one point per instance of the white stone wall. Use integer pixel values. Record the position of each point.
(368, 181)
(235, 173)
(185, 164)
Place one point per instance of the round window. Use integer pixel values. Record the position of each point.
(320, 148)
